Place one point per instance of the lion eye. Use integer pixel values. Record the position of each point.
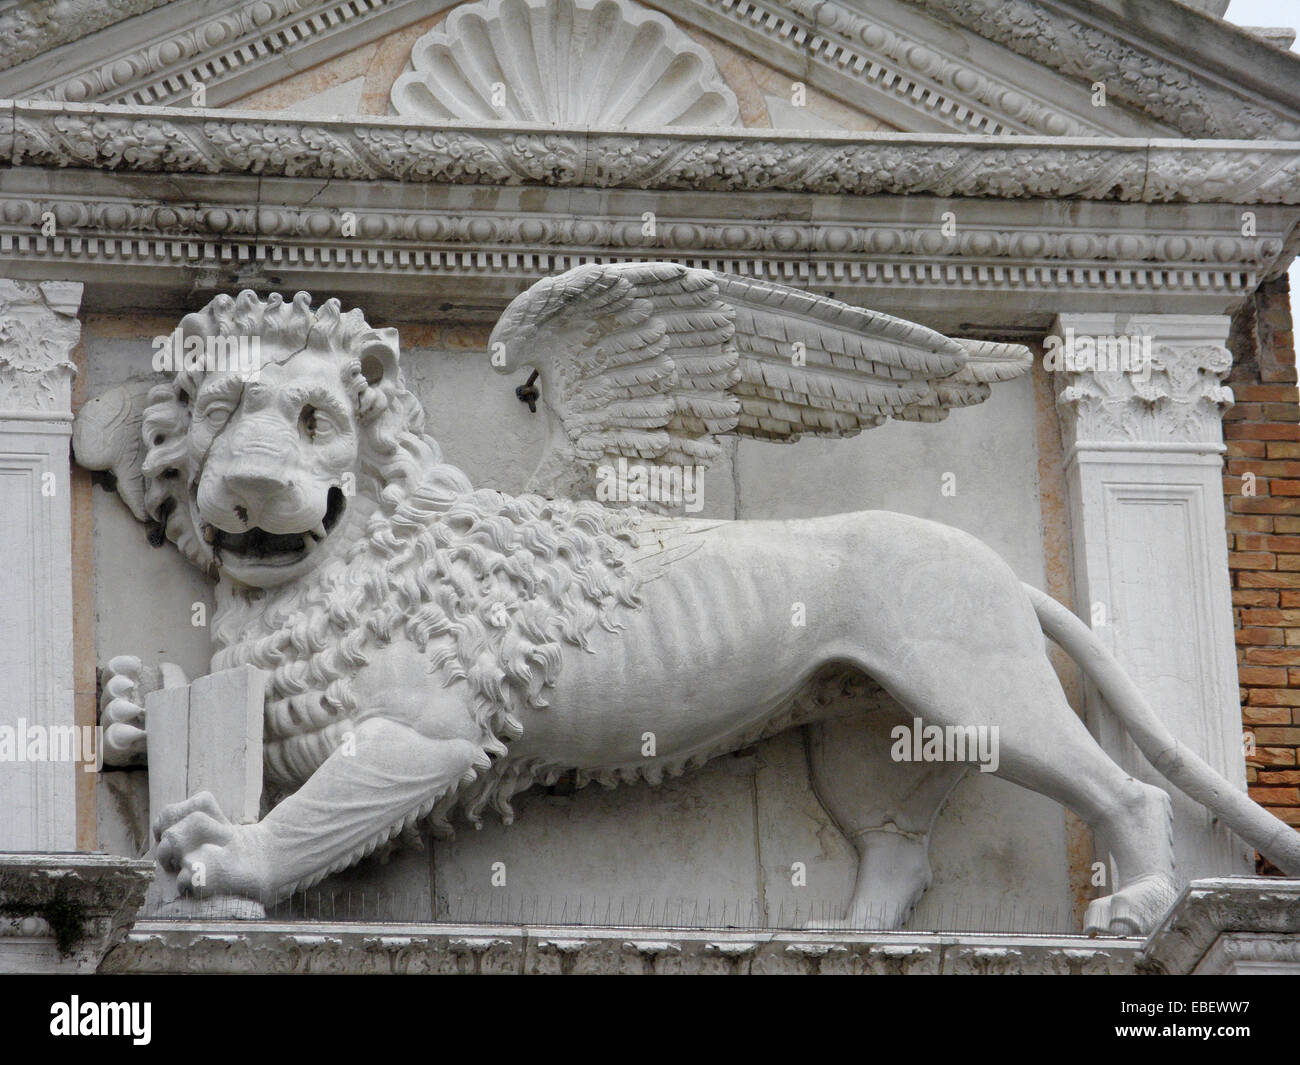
(310, 422)
(217, 413)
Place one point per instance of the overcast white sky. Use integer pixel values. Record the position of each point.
(1264, 13)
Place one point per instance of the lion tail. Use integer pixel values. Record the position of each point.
(1273, 838)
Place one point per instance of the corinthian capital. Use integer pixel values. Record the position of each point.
(1149, 382)
(38, 330)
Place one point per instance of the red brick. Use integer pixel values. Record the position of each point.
(1266, 393)
(1245, 412)
(1274, 698)
(1260, 523)
(1279, 776)
(1260, 431)
(1272, 756)
(1281, 412)
(1265, 715)
(1288, 563)
(1263, 468)
(1267, 579)
(1264, 542)
(1253, 560)
(1254, 597)
(1251, 616)
(1247, 449)
(1240, 484)
(1289, 599)
(1286, 525)
(1272, 655)
(1281, 737)
(1280, 487)
(1259, 637)
(1282, 450)
(1276, 796)
(1262, 504)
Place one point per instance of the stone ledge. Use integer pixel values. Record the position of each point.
(1229, 925)
(64, 912)
(207, 141)
(267, 947)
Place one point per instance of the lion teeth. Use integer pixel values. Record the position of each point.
(209, 534)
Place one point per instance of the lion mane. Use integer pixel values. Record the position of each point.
(488, 586)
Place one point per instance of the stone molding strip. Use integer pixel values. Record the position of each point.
(267, 947)
(1210, 80)
(242, 47)
(1264, 909)
(83, 903)
(176, 140)
(1200, 74)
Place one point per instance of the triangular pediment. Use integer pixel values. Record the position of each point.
(1033, 67)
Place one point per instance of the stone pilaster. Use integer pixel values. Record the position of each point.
(38, 330)
(1144, 441)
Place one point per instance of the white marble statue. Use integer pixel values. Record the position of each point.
(435, 649)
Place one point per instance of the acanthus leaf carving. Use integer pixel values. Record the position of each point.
(1178, 398)
(37, 335)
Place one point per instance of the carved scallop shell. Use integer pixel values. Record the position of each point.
(565, 63)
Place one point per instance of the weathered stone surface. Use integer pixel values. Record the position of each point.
(1229, 926)
(63, 913)
(172, 946)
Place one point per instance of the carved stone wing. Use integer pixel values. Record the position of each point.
(651, 362)
(108, 435)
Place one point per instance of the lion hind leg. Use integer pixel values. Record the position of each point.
(1042, 745)
(885, 808)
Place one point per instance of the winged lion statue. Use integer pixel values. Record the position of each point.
(434, 649)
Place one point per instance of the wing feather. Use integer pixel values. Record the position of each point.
(655, 361)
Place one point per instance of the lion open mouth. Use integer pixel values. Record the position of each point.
(274, 549)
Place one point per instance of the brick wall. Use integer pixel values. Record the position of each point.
(1262, 431)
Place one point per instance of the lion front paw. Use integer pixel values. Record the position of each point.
(209, 855)
(122, 713)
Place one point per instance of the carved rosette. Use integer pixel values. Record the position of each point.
(38, 330)
(1176, 397)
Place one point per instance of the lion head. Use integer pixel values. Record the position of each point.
(251, 473)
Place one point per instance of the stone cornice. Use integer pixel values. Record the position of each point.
(1210, 909)
(1023, 68)
(268, 947)
(192, 141)
(895, 63)
(84, 901)
(240, 48)
(36, 26)
(1197, 73)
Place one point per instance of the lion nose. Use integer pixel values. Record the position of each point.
(252, 482)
